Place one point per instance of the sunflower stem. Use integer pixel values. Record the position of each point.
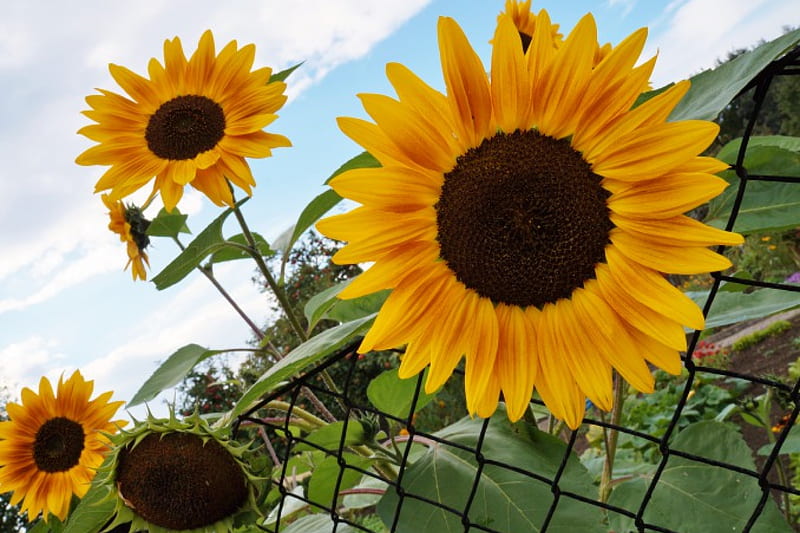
(610, 437)
(283, 301)
(210, 276)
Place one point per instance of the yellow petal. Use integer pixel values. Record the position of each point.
(675, 231)
(390, 188)
(510, 85)
(664, 258)
(517, 363)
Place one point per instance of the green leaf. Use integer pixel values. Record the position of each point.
(326, 304)
(730, 151)
(766, 205)
(505, 501)
(321, 487)
(318, 207)
(168, 224)
(92, 512)
(316, 523)
(283, 74)
(712, 90)
(347, 310)
(301, 358)
(393, 396)
(694, 496)
(318, 305)
(790, 445)
(733, 307)
(171, 372)
(329, 436)
(232, 253)
(206, 243)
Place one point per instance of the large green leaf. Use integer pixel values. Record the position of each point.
(168, 224)
(301, 358)
(318, 305)
(92, 512)
(730, 151)
(694, 496)
(206, 243)
(712, 90)
(329, 436)
(505, 501)
(316, 523)
(233, 253)
(322, 486)
(283, 74)
(790, 445)
(326, 304)
(733, 307)
(394, 396)
(766, 205)
(318, 207)
(172, 372)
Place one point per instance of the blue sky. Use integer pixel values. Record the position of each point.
(65, 302)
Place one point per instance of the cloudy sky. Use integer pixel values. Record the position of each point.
(65, 301)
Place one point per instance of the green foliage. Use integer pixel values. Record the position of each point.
(505, 500)
(694, 496)
(732, 307)
(208, 389)
(756, 337)
(653, 413)
(168, 224)
(713, 90)
(171, 372)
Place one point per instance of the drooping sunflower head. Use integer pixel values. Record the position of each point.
(192, 122)
(525, 220)
(53, 443)
(178, 475)
(130, 224)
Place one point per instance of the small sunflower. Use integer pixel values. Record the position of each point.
(131, 226)
(178, 475)
(524, 220)
(52, 444)
(193, 122)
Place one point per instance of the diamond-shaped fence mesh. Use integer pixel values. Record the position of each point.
(497, 473)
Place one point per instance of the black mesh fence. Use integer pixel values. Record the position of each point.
(491, 460)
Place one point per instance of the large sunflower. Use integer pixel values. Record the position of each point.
(52, 444)
(193, 122)
(524, 221)
(131, 226)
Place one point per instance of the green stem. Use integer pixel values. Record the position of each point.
(610, 436)
(283, 301)
(280, 295)
(210, 276)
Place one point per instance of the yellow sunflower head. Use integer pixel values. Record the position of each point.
(192, 122)
(53, 443)
(524, 220)
(131, 226)
(170, 475)
(525, 21)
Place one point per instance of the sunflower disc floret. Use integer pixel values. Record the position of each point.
(178, 475)
(525, 219)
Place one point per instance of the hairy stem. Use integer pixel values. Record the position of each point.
(610, 437)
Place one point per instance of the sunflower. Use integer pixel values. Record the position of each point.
(131, 226)
(169, 475)
(52, 444)
(193, 122)
(524, 220)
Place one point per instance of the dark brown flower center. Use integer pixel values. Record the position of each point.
(522, 219)
(184, 127)
(177, 481)
(526, 41)
(58, 445)
(139, 225)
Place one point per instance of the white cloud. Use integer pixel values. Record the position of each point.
(24, 362)
(625, 5)
(53, 54)
(695, 33)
